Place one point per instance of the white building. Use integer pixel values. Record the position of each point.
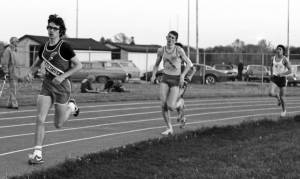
(143, 56)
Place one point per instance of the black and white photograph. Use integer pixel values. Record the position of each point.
(200, 89)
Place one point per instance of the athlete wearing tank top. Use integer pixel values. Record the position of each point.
(171, 61)
(279, 65)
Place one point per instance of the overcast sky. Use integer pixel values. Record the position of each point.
(220, 21)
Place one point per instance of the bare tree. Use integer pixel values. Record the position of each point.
(265, 46)
(121, 38)
(238, 45)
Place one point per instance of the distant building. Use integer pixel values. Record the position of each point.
(86, 49)
(143, 56)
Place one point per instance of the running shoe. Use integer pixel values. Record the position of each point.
(180, 113)
(12, 107)
(283, 114)
(169, 131)
(35, 159)
(77, 110)
(182, 122)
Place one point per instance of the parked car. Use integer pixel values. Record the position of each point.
(129, 67)
(102, 70)
(211, 75)
(257, 72)
(235, 68)
(232, 74)
(294, 77)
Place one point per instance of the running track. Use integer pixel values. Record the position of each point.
(101, 126)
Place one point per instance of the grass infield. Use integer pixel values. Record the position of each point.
(260, 149)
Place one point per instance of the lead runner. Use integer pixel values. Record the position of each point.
(60, 63)
(172, 79)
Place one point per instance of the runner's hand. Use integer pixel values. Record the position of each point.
(153, 78)
(57, 80)
(28, 77)
(181, 81)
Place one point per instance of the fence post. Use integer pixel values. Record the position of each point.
(262, 67)
(262, 76)
(204, 69)
(146, 74)
(89, 54)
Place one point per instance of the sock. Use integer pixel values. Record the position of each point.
(179, 103)
(37, 151)
(72, 106)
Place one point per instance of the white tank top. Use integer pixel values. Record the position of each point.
(278, 67)
(171, 61)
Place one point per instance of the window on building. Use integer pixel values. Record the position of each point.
(33, 53)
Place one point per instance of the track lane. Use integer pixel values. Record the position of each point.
(108, 125)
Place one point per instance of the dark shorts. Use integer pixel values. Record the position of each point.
(171, 80)
(59, 93)
(279, 81)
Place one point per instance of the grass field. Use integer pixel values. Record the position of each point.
(261, 149)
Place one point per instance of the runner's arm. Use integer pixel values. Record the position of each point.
(288, 66)
(156, 65)
(271, 68)
(76, 66)
(35, 66)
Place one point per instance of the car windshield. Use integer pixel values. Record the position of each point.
(221, 67)
(257, 68)
(98, 65)
(124, 64)
(86, 65)
(208, 67)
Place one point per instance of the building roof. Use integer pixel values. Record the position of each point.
(136, 47)
(76, 43)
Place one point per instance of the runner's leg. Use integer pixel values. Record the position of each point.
(62, 114)
(282, 100)
(43, 106)
(164, 92)
(272, 93)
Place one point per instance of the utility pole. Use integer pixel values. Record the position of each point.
(76, 18)
(188, 31)
(197, 50)
(288, 30)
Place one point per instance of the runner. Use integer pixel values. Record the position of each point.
(280, 67)
(58, 56)
(180, 101)
(172, 78)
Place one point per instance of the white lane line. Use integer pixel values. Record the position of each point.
(142, 113)
(133, 131)
(156, 102)
(139, 121)
(92, 106)
(82, 112)
(147, 107)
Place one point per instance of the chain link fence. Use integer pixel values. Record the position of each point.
(145, 61)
